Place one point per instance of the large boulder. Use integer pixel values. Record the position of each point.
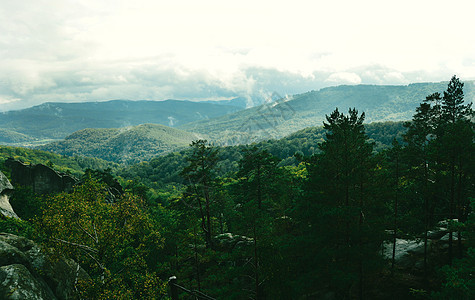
(407, 252)
(27, 273)
(5, 190)
(410, 252)
(42, 179)
(18, 283)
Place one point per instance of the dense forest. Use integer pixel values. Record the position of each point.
(317, 215)
(122, 145)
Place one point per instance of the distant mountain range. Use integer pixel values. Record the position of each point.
(123, 145)
(240, 102)
(245, 102)
(224, 123)
(57, 120)
(285, 116)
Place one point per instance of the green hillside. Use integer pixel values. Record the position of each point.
(275, 120)
(73, 165)
(165, 169)
(122, 145)
(57, 120)
(12, 137)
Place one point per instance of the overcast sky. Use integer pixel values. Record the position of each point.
(69, 51)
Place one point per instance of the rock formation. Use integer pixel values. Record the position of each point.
(42, 179)
(5, 190)
(410, 253)
(26, 273)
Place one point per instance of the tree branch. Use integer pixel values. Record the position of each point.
(84, 247)
(86, 232)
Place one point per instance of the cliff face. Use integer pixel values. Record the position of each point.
(5, 190)
(42, 179)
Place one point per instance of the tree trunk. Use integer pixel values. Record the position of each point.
(451, 209)
(259, 199)
(197, 263)
(459, 208)
(395, 215)
(426, 215)
(256, 265)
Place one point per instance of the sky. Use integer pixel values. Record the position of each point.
(93, 50)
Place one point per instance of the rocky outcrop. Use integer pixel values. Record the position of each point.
(229, 241)
(410, 253)
(42, 179)
(5, 190)
(27, 273)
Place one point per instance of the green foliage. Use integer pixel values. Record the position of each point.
(440, 146)
(299, 217)
(122, 145)
(12, 137)
(339, 214)
(200, 177)
(71, 165)
(458, 281)
(25, 203)
(257, 176)
(17, 227)
(115, 243)
(163, 171)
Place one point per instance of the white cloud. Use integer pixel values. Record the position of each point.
(54, 50)
(344, 78)
(7, 99)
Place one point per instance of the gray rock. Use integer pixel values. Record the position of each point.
(5, 185)
(445, 238)
(11, 255)
(5, 190)
(229, 241)
(403, 248)
(445, 223)
(437, 234)
(16, 282)
(27, 273)
(42, 179)
(407, 252)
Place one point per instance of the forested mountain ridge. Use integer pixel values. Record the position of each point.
(123, 145)
(57, 120)
(340, 220)
(144, 142)
(223, 124)
(13, 137)
(278, 119)
(163, 170)
(72, 165)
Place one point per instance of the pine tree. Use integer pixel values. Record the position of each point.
(439, 146)
(455, 145)
(257, 181)
(257, 174)
(337, 210)
(394, 155)
(200, 178)
(419, 138)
